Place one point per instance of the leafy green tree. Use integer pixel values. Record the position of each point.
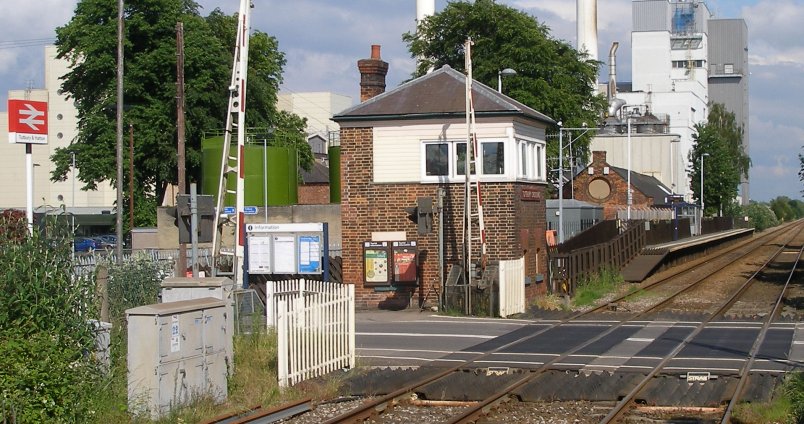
(725, 163)
(552, 77)
(89, 43)
(801, 170)
(782, 208)
(760, 216)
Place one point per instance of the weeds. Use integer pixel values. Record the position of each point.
(787, 405)
(596, 286)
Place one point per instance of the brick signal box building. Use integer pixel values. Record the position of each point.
(400, 148)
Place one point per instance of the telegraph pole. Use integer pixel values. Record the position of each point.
(182, 265)
(119, 222)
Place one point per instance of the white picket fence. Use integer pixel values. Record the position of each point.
(512, 287)
(315, 327)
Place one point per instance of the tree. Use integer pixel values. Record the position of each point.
(89, 43)
(720, 140)
(801, 170)
(760, 216)
(552, 77)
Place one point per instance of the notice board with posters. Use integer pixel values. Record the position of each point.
(375, 262)
(293, 248)
(405, 261)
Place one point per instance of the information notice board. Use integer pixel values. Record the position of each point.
(387, 262)
(405, 267)
(375, 260)
(294, 248)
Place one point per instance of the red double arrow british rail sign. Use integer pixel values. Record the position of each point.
(27, 122)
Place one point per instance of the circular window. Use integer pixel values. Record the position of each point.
(599, 189)
(59, 117)
(59, 135)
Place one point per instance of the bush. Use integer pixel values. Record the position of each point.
(134, 283)
(760, 216)
(45, 365)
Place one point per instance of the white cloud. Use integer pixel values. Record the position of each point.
(775, 32)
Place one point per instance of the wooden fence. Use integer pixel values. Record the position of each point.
(569, 268)
(512, 287)
(315, 327)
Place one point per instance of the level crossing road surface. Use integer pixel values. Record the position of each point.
(411, 339)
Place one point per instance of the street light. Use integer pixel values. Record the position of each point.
(561, 130)
(507, 72)
(72, 172)
(702, 189)
(629, 196)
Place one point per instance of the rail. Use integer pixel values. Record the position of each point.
(625, 402)
(257, 415)
(380, 404)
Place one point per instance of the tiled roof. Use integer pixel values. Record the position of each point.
(440, 93)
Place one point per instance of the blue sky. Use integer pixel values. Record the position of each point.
(323, 39)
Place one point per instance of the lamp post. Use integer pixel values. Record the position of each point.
(507, 72)
(702, 189)
(629, 195)
(561, 130)
(72, 172)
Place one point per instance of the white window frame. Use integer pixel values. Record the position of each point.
(450, 166)
(482, 159)
(529, 168)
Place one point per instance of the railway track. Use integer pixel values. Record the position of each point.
(258, 415)
(628, 401)
(696, 273)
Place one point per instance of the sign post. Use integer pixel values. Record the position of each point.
(27, 124)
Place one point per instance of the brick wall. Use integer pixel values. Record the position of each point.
(618, 197)
(514, 226)
(313, 194)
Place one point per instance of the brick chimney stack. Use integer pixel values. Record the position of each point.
(372, 74)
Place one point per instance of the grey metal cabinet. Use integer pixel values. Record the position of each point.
(178, 351)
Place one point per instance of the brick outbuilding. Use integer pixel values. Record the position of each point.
(409, 144)
(602, 184)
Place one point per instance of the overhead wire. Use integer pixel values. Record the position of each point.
(15, 44)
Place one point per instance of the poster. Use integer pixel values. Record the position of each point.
(376, 265)
(309, 254)
(259, 255)
(284, 254)
(404, 265)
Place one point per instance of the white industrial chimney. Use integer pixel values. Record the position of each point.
(587, 28)
(424, 8)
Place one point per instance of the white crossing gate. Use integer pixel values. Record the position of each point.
(512, 287)
(315, 330)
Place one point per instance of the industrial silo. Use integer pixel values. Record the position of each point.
(268, 170)
(334, 153)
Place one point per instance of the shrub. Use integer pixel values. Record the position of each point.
(760, 216)
(45, 365)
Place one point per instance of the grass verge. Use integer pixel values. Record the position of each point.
(596, 286)
(254, 382)
(787, 405)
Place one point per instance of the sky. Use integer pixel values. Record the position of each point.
(324, 39)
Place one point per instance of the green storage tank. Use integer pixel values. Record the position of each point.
(280, 175)
(334, 153)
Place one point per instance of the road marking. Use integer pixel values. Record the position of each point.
(410, 358)
(460, 336)
(622, 352)
(444, 352)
